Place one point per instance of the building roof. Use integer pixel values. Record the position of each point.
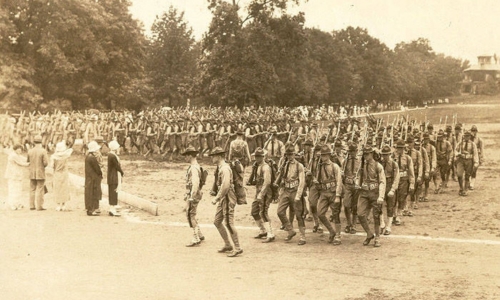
(485, 67)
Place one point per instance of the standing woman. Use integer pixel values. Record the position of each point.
(14, 173)
(115, 174)
(60, 181)
(93, 178)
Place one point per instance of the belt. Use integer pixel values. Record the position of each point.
(369, 187)
(349, 181)
(403, 174)
(292, 184)
(327, 186)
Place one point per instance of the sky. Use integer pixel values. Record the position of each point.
(460, 28)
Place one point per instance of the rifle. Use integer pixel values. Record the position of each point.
(281, 172)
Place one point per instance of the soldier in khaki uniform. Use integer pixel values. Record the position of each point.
(391, 170)
(350, 167)
(406, 180)
(225, 199)
(193, 194)
(328, 180)
(263, 197)
(417, 159)
(292, 187)
(372, 184)
(431, 153)
(480, 153)
(444, 155)
(467, 159)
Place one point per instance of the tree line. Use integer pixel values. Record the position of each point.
(85, 54)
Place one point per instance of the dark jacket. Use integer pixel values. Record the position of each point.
(113, 168)
(93, 178)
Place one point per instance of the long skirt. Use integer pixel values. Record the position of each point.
(15, 193)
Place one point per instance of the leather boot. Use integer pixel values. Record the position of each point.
(302, 240)
(223, 234)
(198, 231)
(364, 224)
(270, 235)
(262, 232)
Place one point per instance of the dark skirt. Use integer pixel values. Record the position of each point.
(112, 194)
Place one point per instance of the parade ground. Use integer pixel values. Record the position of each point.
(448, 250)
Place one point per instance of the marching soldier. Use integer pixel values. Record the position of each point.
(406, 180)
(391, 170)
(480, 152)
(263, 196)
(431, 153)
(193, 194)
(292, 183)
(425, 171)
(350, 166)
(225, 199)
(274, 147)
(238, 150)
(372, 184)
(328, 180)
(444, 155)
(313, 163)
(467, 159)
(416, 157)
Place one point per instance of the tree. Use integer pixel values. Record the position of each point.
(172, 58)
(84, 51)
(372, 63)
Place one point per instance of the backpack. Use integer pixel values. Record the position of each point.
(274, 170)
(203, 177)
(239, 189)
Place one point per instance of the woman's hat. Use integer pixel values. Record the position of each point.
(113, 145)
(61, 146)
(93, 146)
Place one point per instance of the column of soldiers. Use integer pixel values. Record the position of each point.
(379, 174)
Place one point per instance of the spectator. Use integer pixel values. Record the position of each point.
(38, 159)
(60, 181)
(14, 174)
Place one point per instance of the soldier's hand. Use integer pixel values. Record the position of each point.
(419, 179)
(357, 187)
(390, 194)
(337, 199)
(259, 198)
(380, 201)
(411, 190)
(213, 193)
(426, 176)
(190, 199)
(315, 181)
(214, 201)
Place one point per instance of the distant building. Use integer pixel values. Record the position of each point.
(477, 76)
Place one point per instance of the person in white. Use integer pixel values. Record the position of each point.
(60, 179)
(15, 173)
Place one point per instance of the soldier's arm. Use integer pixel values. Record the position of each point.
(434, 158)
(449, 152)
(338, 178)
(426, 162)
(475, 156)
(230, 155)
(195, 180)
(225, 174)
(411, 172)
(302, 181)
(266, 170)
(381, 181)
(480, 149)
(395, 182)
(420, 166)
(247, 150)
